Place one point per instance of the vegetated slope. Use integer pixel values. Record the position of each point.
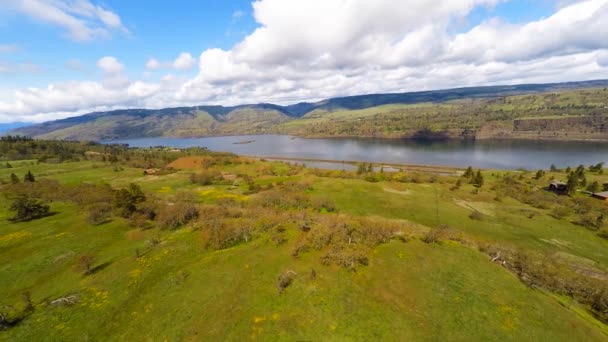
(283, 252)
(183, 122)
(481, 112)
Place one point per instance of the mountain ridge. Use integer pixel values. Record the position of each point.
(264, 118)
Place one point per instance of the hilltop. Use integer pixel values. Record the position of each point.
(572, 111)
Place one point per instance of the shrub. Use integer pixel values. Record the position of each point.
(225, 234)
(205, 177)
(347, 256)
(84, 262)
(476, 215)
(27, 209)
(284, 280)
(99, 213)
(177, 215)
(594, 187)
(432, 236)
(324, 204)
(561, 212)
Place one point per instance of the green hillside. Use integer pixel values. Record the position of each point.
(220, 247)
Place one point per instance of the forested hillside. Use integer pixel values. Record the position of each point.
(570, 111)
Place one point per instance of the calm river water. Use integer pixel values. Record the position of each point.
(497, 154)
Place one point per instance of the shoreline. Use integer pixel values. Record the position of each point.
(389, 138)
(439, 169)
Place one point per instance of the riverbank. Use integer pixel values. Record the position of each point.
(389, 167)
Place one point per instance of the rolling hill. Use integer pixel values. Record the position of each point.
(479, 112)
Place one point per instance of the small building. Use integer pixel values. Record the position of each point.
(557, 186)
(149, 171)
(601, 195)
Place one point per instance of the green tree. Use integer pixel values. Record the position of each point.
(478, 179)
(29, 177)
(27, 209)
(553, 168)
(125, 200)
(14, 178)
(594, 187)
(361, 169)
(468, 173)
(539, 174)
(8, 165)
(572, 184)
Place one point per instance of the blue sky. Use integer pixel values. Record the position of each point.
(60, 58)
(158, 29)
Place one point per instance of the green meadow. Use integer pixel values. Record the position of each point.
(147, 282)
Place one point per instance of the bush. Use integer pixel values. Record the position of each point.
(27, 209)
(476, 215)
(432, 236)
(324, 204)
(177, 215)
(99, 213)
(347, 256)
(84, 262)
(205, 177)
(561, 212)
(284, 280)
(224, 234)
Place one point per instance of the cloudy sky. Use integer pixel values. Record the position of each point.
(60, 58)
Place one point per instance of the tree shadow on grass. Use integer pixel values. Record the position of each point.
(49, 214)
(99, 268)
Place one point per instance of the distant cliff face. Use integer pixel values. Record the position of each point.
(582, 127)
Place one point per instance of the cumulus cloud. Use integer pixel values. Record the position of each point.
(153, 64)
(81, 19)
(110, 65)
(353, 47)
(184, 61)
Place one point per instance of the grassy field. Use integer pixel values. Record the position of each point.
(161, 284)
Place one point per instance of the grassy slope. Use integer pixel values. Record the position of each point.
(179, 291)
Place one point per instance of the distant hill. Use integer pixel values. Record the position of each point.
(298, 118)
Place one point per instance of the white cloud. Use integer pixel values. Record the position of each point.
(184, 62)
(354, 47)
(142, 89)
(110, 65)
(81, 19)
(153, 64)
(8, 48)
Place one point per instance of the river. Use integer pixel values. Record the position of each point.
(487, 154)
